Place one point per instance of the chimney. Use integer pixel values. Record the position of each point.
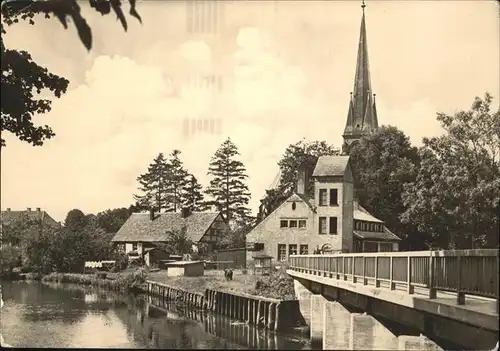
(29, 209)
(186, 211)
(302, 183)
(151, 215)
(38, 209)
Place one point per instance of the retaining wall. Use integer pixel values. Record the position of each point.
(267, 313)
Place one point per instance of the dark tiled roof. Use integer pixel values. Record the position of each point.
(385, 235)
(33, 215)
(139, 226)
(331, 166)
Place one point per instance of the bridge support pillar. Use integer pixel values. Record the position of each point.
(316, 326)
(369, 334)
(406, 342)
(336, 326)
(304, 296)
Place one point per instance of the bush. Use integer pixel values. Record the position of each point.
(101, 275)
(278, 285)
(121, 263)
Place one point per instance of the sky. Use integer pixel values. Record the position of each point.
(281, 71)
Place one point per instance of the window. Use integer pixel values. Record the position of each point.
(134, 247)
(370, 246)
(364, 226)
(294, 206)
(358, 226)
(283, 224)
(293, 224)
(322, 225)
(258, 246)
(385, 247)
(292, 249)
(281, 252)
(302, 223)
(322, 197)
(333, 225)
(334, 197)
(304, 249)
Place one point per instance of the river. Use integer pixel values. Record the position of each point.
(69, 316)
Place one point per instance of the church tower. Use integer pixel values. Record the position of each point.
(362, 112)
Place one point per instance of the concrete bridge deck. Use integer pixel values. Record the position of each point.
(421, 289)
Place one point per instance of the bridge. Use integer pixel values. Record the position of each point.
(420, 300)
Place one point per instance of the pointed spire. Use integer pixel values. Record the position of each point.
(362, 116)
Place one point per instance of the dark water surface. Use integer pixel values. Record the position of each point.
(41, 315)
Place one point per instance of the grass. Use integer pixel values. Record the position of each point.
(278, 285)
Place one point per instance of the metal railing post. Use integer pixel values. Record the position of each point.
(364, 271)
(391, 284)
(460, 294)
(432, 289)
(377, 283)
(409, 287)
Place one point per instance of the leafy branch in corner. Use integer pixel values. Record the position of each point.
(13, 10)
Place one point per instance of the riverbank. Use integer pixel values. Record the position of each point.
(277, 285)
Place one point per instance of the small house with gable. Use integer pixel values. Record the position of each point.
(143, 231)
(329, 219)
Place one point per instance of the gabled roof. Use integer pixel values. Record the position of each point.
(385, 235)
(140, 228)
(363, 215)
(10, 216)
(309, 201)
(331, 166)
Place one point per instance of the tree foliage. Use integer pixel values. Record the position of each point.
(382, 164)
(300, 154)
(227, 187)
(177, 181)
(9, 258)
(194, 198)
(177, 242)
(112, 220)
(75, 219)
(23, 80)
(456, 194)
(153, 185)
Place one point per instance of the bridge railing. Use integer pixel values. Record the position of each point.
(473, 272)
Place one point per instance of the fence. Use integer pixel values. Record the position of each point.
(237, 256)
(473, 272)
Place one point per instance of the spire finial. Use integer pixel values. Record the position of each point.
(363, 5)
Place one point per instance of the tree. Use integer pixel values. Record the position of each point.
(177, 180)
(154, 185)
(112, 220)
(194, 195)
(9, 258)
(23, 80)
(456, 195)
(236, 237)
(229, 193)
(75, 219)
(177, 243)
(382, 163)
(300, 154)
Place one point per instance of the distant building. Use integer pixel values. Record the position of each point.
(331, 220)
(38, 216)
(142, 231)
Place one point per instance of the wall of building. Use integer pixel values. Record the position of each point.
(269, 233)
(348, 211)
(340, 211)
(238, 256)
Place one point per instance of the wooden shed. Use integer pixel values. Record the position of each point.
(185, 269)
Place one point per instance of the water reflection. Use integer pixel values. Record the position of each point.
(40, 315)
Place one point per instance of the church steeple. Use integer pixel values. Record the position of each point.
(362, 115)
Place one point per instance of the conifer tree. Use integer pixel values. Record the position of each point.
(193, 195)
(177, 180)
(153, 185)
(227, 189)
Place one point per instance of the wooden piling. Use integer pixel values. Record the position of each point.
(270, 316)
(277, 317)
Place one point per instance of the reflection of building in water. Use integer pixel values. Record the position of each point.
(90, 297)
